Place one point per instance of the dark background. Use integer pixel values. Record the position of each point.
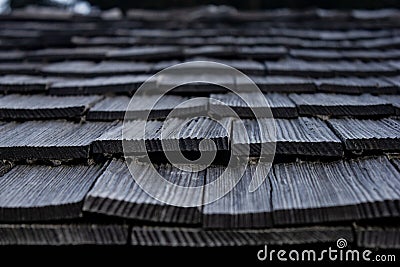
(242, 4)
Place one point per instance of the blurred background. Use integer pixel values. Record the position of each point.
(124, 5)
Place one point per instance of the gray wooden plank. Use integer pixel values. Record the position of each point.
(355, 85)
(209, 51)
(197, 237)
(63, 234)
(125, 84)
(300, 137)
(281, 84)
(341, 105)
(261, 52)
(345, 190)
(377, 236)
(16, 106)
(279, 104)
(366, 135)
(59, 140)
(145, 53)
(92, 69)
(239, 208)
(38, 193)
(117, 194)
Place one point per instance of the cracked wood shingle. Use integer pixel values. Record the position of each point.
(300, 137)
(44, 107)
(341, 105)
(109, 109)
(125, 84)
(279, 104)
(367, 135)
(60, 140)
(92, 69)
(63, 234)
(197, 237)
(340, 191)
(42, 193)
(116, 193)
(239, 208)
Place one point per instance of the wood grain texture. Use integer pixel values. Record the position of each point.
(196, 237)
(63, 234)
(59, 140)
(295, 137)
(279, 105)
(281, 84)
(355, 85)
(117, 194)
(394, 100)
(341, 105)
(378, 236)
(25, 107)
(239, 208)
(367, 135)
(40, 193)
(125, 84)
(339, 191)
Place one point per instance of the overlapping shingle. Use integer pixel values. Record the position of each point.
(44, 107)
(377, 236)
(341, 105)
(63, 234)
(281, 84)
(145, 53)
(354, 85)
(116, 193)
(367, 135)
(33, 193)
(197, 237)
(294, 137)
(239, 208)
(49, 139)
(343, 190)
(24, 83)
(279, 105)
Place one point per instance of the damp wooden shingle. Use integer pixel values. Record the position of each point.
(197, 237)
(239, 208)
(60, 140)
(341, 105)
(145, 53)
(92, 69)
(300, 137)
(24, 83)
(367, 135)
(117, 194)
(354, 85)
(394, 100)
(345, 190)
(111, 84)
(25, 107)
(63, 234)
(279, 84)
(109, 109)
(279, 105)
(378, 236)
(33, 193)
